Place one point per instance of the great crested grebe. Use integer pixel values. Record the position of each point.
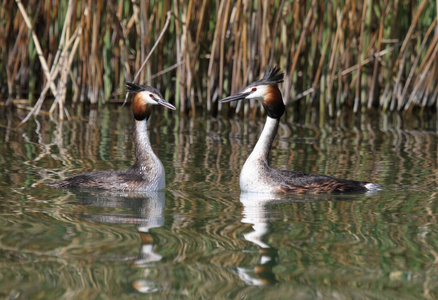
(147, 174)
(257, 175)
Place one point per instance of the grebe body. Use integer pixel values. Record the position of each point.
(147, 174)
(257, 175)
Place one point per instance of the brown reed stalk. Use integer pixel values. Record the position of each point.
(214, 53)
(401, 60)
(302, 36)
(414, 67)
(275, 33)
(331, 66)
(236, 46)
(321, 62)
(56, 68)
(359, 58)
(166, 24)
(38, 47)
(220, 46)
(180, 95)
(421, 83)
(384, 11)
(15, 53)
(53, 73)
(412, 27)
(226, 13)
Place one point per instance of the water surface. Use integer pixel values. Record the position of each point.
(202, 237)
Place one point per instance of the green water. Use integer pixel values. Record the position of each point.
(202, 238)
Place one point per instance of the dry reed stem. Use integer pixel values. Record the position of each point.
(275, 32)
(320, 64)
(349, 70)
(69, 61)
(37, 47)
(414, 66)
(332, 63)
(410, 32)
(166, 70)
(166, 24)
(315, 44)
(54, 71)
(359, 58)
(424, 71)
(213, 56)
(376, 61)
(302, 36)
(222, 46)
(397, 87)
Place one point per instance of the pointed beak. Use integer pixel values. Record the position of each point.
(235, 97)
(165, 103)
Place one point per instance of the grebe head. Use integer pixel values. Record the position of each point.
(144, 98)
(266, 91)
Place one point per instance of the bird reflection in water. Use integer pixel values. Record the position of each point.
(147, 213)
(257, 211)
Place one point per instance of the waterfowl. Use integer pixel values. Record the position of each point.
(147, 174)
(257, 175)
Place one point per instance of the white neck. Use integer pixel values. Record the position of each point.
(143, 149)
(146, 161)
(254, 171)
(261, 149)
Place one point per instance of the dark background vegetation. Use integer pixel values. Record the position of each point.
(337, 55)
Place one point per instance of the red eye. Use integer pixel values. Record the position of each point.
(254, 89)
(150, 95)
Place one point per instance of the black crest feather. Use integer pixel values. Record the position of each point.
(272, 76)
(136, 88)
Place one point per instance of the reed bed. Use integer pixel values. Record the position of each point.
(336, 55)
